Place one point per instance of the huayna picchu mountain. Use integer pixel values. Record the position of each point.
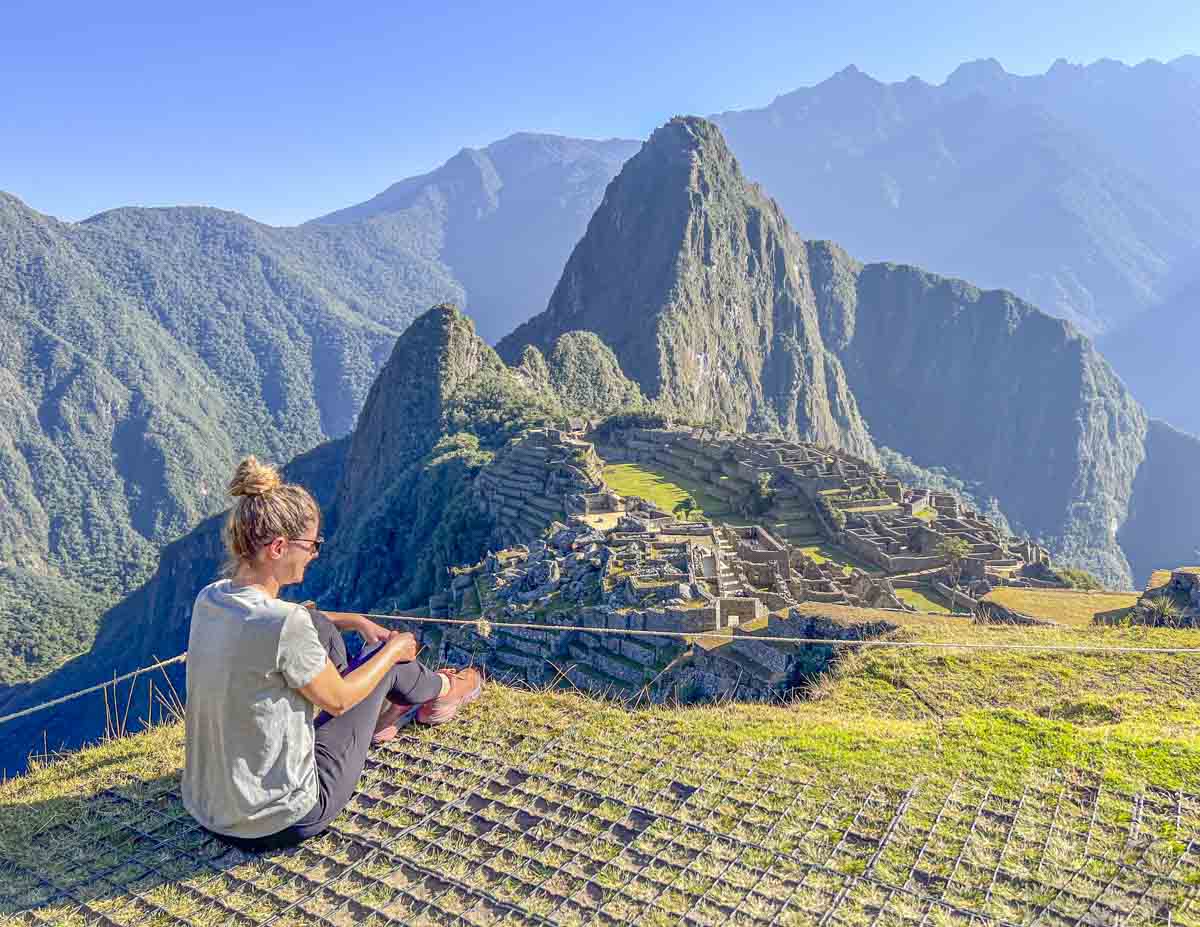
(717, 309)
(693, 278)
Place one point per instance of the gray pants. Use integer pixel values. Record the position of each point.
(342, 741)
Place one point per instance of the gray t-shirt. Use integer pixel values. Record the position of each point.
(249, 768)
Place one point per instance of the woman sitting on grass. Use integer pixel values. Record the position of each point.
(262, 770)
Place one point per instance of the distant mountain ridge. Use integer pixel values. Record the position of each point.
(504, 217)
(1077, 189)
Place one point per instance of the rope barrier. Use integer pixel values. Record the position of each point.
(486, 626)
(104, 685)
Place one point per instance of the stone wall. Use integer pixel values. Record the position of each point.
(955, 597)
(528, 484)
(737, 608)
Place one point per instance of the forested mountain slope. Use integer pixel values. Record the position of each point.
(141, 353)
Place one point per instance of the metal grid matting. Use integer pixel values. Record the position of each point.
(553, 830)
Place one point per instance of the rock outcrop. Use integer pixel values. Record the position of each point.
(403, 416)
(442, 406)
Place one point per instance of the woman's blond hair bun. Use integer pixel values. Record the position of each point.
(253, 478)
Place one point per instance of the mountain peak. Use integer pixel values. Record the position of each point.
(982, 73)
(431, 360)
(850, 78)
(688, 273)
(687, 133)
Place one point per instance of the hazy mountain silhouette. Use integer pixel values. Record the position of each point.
(502, 219)
(1077, 189)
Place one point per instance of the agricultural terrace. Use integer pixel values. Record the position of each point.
(908, 787)
(828, 553)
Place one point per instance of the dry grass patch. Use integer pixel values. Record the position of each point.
(1066, 606)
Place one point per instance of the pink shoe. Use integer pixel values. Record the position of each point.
(465, 686)
(391, 719)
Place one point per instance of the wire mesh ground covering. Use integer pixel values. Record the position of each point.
(465, 825)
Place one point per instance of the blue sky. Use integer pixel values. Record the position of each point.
(284, 112)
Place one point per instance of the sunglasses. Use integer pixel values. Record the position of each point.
(315, 542)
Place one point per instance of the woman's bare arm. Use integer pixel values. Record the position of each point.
(332, 692)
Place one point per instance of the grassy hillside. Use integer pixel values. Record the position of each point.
(908, 787)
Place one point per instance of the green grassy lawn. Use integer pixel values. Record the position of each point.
(860, 509)
(663, 488)
(925, 600)
(633, 480)
(825, 553)
(927, 785)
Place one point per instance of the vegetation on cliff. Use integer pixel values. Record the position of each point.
(145, 350)
(442, 406)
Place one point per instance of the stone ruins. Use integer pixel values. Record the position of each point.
(798, 524)
(1171, 599)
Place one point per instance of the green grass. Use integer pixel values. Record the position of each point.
(923, 600)
(860, 509)
(828, 553)
(663, 488)
(632, 480)
(1001, 733)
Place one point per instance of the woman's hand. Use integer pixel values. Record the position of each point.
(401, 647)
(371, 632)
